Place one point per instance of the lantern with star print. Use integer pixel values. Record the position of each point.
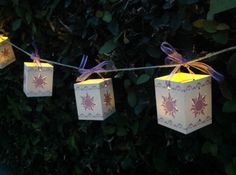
(184, 101)
(6, 52)
(94, 99)
(38, 79)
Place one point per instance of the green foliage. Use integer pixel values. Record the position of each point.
(217, 6)
(43, 135)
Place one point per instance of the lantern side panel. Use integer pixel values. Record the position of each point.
(107, 97)
(7, 55)
(188, 100)
(198, 104)
(170, 103)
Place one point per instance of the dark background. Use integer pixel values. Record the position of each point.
(44, 136)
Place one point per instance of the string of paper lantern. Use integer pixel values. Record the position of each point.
(183, 100)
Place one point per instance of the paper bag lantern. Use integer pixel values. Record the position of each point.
(6, 52)
(185, 106)
(94, 99)
(38, 79)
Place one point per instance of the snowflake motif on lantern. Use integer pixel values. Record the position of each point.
(199, 105)
(169, 105)
(107, 99)
(39, 81)
(87, 102)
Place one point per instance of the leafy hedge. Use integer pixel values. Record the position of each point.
(44, 136)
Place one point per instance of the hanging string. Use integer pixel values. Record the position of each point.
(209, 55)
(44, 60)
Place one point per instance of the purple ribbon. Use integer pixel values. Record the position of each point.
(35, 56)
(36, 59)
(174, 57)
(85, 73)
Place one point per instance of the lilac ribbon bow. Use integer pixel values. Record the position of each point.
(174, 57)
(35, 56)
(85, 73)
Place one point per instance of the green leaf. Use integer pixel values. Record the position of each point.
(113, 27)
(28, 18)
(160, 163)
(121, 131)
(36, 125)
(72, 142)
(233, 128)
(230, 169)
(139, 108)
(222, 26)
(39, 108)
(226, 90)
(199, 23)
(107, 16)
(16, 24)
(132, 98)
(231, 65)
(143, 79)
(210, 148)
(15, 2)
(217, 6)
(127, 83)
(27, 108)
(134, 127)
(108, 129)
(210, 26)
(153, 51)
(229, 106)
(149, 71)
(188, 2)
(221, 37)
(108, 46)
(99, 13)
(126, 163)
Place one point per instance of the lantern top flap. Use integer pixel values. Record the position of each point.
(3, 38)
(32, 64)
(94, 81)
(182, 77)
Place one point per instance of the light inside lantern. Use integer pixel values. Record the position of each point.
(32, 64)
(92, 81)
(183, 77)
(3, 38)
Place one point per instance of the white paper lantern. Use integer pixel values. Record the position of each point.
(6, 52)
(185, 106)
(94, 99)
(38, 79)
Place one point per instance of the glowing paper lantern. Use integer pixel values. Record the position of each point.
(185, 105)
(94, 99)
(6, 52)
(38, 79)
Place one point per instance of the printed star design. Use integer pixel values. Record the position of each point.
(5, 52)
(39, 81)
(169, 105)
(88, 102)
(107, 99)
(199, 105)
